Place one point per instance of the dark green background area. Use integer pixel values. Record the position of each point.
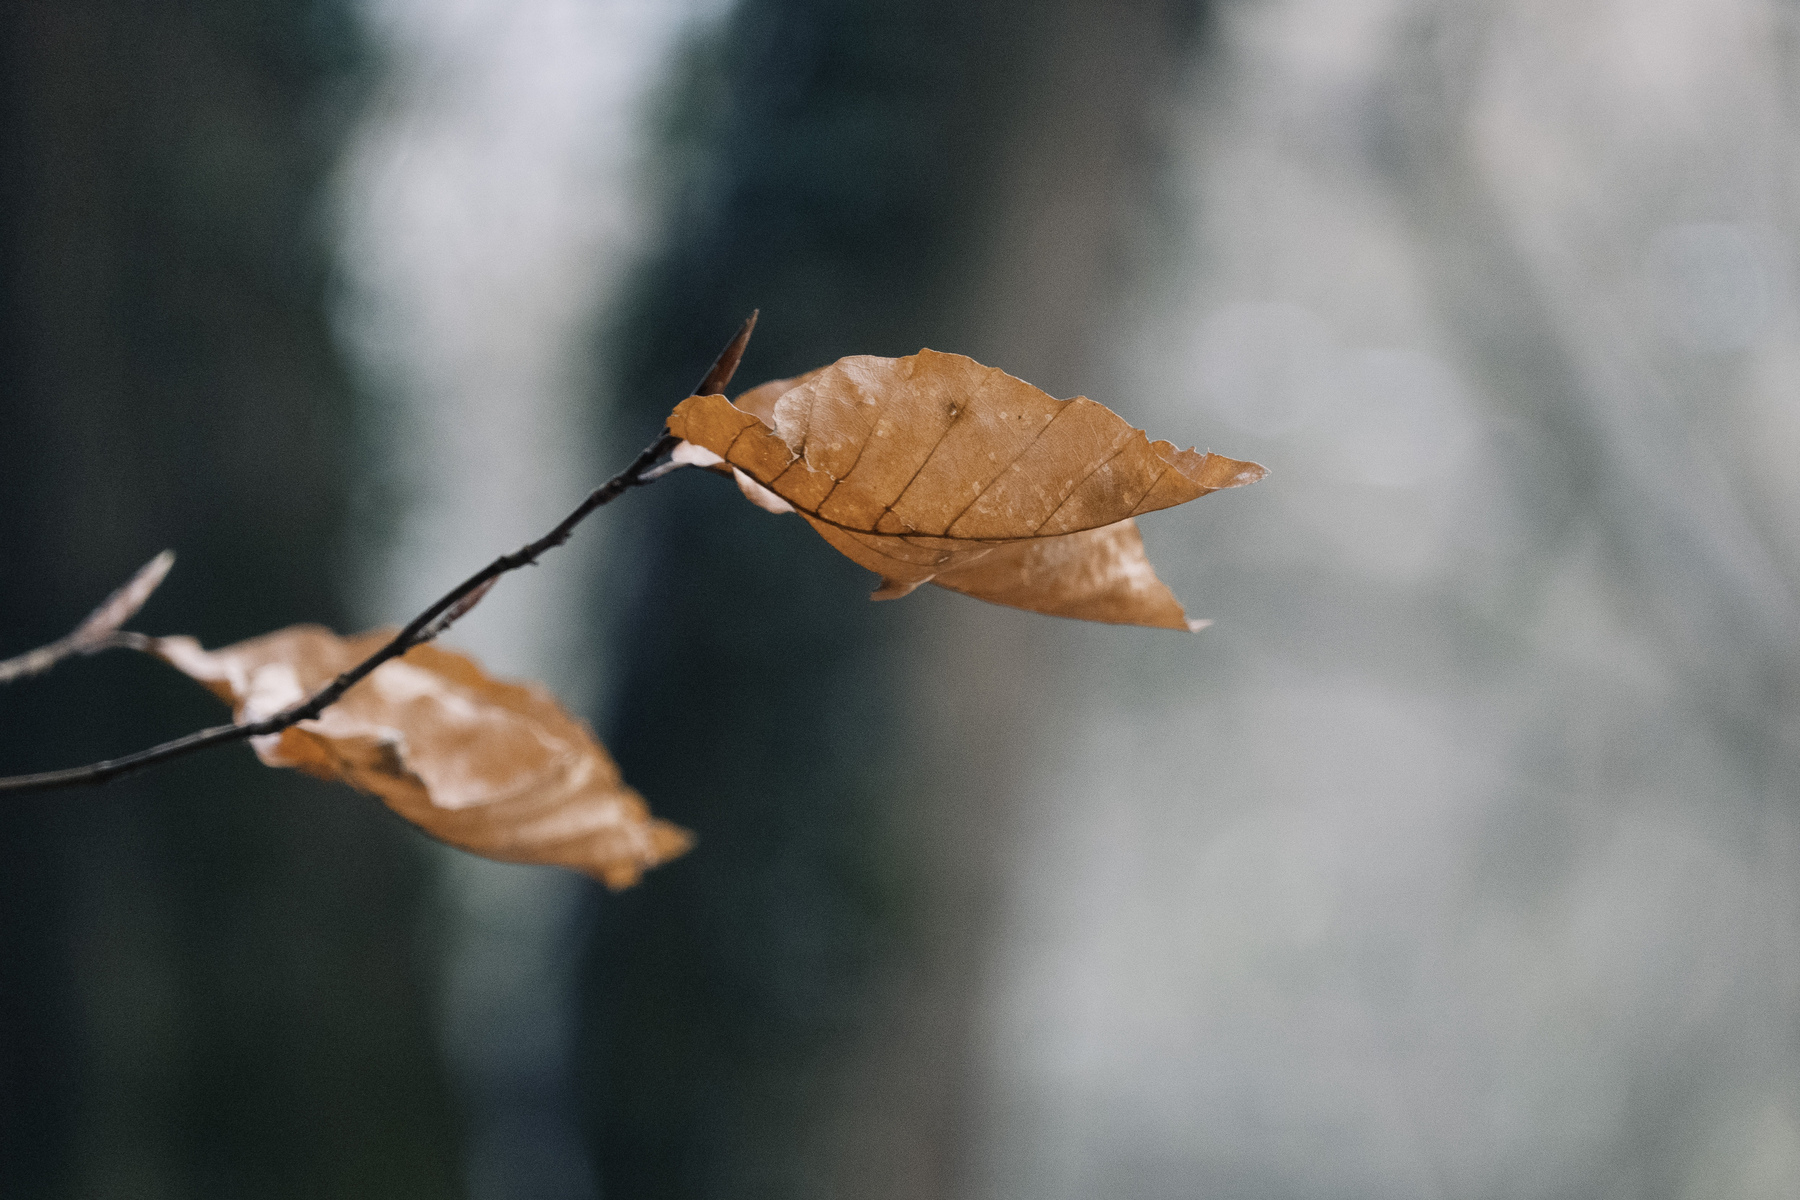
(211, 976)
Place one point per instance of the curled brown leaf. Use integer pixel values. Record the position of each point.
(934, 468)
(500, 769)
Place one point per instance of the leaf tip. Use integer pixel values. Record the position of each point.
(893, 589)
(666, 842)
(1232, 472)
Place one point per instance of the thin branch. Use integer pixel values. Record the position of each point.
(99, 631)
(422, 628)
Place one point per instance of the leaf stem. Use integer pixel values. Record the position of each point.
(422, 628)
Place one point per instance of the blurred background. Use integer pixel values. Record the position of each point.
(1460, 858)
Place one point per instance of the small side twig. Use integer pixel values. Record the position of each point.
(422, 628)
(100, 630)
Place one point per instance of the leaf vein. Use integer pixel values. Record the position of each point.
(1070, 494)
(1010, 464)
(938, 445)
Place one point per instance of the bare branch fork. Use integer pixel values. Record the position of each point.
(101, 630)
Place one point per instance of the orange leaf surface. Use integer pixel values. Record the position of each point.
(934, 468)
(493, 767)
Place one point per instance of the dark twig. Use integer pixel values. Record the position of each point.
(100, 630)
(422, 628)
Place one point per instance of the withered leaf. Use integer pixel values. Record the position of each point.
(1097, 575)
(492, 767)
(934, 468)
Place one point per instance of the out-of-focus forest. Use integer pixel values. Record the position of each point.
(1461, 857)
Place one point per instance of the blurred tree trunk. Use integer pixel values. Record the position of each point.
(208, 975)
(788, 1012)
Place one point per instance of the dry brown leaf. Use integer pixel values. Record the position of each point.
(760, 400)
(934, 468)
(1097, 575)
(493, 767)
